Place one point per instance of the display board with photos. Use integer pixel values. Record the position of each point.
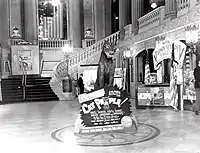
(153, 96)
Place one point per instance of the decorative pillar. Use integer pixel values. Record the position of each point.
(15, 16)
(122, 18)
(99, 19)
(30, 20)
(54, 22)
(137, 12)
(88, 13)
(61, 20)
(108, 17)
(170, 9)
(127, 12)
(75, 23)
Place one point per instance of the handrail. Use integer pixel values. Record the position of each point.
(41, 66)
(24, 79)
(91, 50)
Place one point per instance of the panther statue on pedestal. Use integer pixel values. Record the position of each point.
(106, 67)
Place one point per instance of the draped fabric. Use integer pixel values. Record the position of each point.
(173, 81)
(147, 70)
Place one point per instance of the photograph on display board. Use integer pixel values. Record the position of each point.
(25, 60)
(157, 96)
(120, 78)
(89, 77)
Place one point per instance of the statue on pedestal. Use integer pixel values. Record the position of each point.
(106, 68)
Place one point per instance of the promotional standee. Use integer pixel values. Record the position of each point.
(106, 108)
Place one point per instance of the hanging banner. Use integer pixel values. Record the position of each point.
(179, 52)
(162, 51)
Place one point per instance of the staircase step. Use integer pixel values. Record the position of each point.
(42, 99)
(37, 89)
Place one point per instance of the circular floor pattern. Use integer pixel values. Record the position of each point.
(145, 132)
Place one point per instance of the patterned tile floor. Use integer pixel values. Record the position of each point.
(27, 128)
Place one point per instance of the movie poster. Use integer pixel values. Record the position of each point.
(25, 60)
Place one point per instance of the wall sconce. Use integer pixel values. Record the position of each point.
(153, 4)
(88, 33)
(15, 33)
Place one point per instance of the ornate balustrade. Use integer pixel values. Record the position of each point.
(90, 54)
(184, 6)
(152, 19)
(53, 44)
(89, 51)
(87, 42)
(19, 41)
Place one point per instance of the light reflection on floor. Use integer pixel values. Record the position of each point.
(27, 128)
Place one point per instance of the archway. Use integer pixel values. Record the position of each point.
(141, 60)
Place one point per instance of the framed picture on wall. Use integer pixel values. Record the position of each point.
(25, 58)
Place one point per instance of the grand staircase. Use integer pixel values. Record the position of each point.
(36, 88)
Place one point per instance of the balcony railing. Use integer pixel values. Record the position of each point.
(53, 44)
(185, 6)
(182, 7)
(152, 19)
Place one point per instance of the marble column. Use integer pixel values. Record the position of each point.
(99, 19)
(31, 21)
(122, 18)
(15, 16)
(137, 12)
(108, 17)
(4, 23)
(170, 9)
(75, 23)
(127, 12)
(61, 21)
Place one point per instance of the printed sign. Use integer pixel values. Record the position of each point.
(162, 51)
(104, 108)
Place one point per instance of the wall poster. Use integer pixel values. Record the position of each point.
(25, 60)
(25, 57)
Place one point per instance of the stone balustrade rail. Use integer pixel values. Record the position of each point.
(91, 50)
(53, 44)
(87, 42)
(89, 55)
(152, 19)
(182, 4)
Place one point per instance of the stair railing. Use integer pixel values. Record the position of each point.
(41, 66)
(24, 78)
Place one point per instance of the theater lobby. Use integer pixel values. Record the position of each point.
(99, 76)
